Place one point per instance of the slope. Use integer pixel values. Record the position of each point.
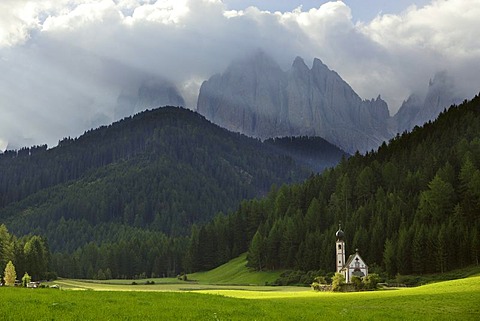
(235, 271)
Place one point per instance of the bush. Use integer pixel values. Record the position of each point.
(370, 281)
(337, 281)
(182, 277)
(26, 279)
(296, 277)
(357, 282)
(320, 280)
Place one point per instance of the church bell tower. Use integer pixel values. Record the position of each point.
(340, 248)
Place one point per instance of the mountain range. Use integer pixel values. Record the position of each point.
(256, 97)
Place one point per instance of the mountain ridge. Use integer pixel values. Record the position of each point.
(163, 169)
(254, 96)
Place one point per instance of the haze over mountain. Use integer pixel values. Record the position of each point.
(151, 93)
(256, 97)
(421, 108)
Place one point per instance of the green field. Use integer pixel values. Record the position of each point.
(449, 300)
(227, 293)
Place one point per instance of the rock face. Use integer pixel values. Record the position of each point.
(256, 97)
(419, 109)
(151, 93)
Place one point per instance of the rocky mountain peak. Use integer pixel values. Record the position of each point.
(421, 108)
(255, 97)
(299, 64)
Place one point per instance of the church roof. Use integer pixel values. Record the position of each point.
(351, 258)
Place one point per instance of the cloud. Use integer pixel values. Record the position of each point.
(63, 64)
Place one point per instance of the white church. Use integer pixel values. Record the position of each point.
(354, 265)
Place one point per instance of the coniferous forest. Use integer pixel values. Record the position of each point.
(412, 207)
(122, 198)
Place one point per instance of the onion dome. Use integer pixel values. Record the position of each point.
(340, 234)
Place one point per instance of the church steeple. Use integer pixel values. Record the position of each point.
(340, 248)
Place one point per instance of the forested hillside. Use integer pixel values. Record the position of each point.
(159, 171)
(411, 207)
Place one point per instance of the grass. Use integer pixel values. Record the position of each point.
(227, 293)
(447, 300)
(235, 272)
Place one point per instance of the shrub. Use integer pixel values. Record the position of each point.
(370, 281)
(297, 277)
(320, 280)
(26, 279)
(337, 281)
(357, 282)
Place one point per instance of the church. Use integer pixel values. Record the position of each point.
(354, 265)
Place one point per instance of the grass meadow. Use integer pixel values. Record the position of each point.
(449, 300)
(235, 272)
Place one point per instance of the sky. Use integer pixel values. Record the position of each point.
(64, 63)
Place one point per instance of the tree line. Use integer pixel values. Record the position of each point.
(28, 254)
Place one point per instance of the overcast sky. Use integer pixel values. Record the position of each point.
(64, 63)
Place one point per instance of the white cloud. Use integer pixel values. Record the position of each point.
(63, 63)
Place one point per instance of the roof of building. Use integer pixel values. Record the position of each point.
(351, 258)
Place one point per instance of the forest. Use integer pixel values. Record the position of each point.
(142, 181)
(411, 207)
(30, 254)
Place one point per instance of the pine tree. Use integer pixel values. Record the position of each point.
(389, 259)
(256, 252)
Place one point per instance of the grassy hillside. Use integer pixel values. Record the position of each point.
(235, 272)
(450, 300)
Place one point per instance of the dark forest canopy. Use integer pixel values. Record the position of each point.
(161, 170)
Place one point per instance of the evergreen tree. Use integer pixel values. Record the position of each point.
(389, 258)
(256, 252)
(36, 257)
(437, 202)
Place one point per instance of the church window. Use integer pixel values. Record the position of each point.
(339, 246)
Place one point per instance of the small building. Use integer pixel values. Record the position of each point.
(33, 285)
(354, 265)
